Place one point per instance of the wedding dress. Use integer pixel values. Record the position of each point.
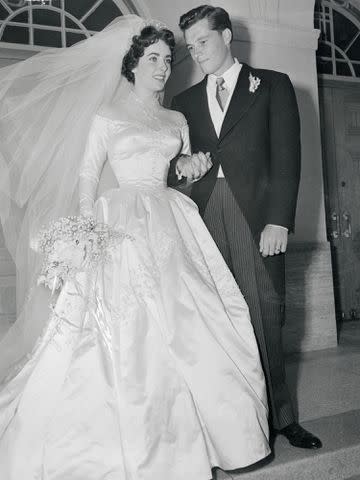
(148, 367)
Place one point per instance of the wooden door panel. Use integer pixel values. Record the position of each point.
(340, 110)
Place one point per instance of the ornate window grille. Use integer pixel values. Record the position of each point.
(338, 54)
(37, 24)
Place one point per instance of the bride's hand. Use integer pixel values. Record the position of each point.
(193, 167)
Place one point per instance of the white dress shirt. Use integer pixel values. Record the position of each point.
(217, 115)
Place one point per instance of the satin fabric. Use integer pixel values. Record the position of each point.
(148, 367)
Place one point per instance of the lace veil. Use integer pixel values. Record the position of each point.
(47, 104)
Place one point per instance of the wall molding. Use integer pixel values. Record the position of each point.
(275, 34)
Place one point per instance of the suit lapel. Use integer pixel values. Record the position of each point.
(240, 102)
(203, 112)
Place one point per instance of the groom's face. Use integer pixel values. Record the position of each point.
(210, 49)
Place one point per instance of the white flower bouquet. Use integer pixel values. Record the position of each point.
(71, 245)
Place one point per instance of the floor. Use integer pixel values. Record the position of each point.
(326, 388)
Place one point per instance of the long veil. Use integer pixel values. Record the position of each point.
(46, 107)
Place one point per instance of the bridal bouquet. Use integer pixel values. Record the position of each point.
(71, 245)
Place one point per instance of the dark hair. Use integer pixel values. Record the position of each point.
(148, 36)
(218, 18)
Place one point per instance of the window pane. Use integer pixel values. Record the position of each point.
(324, 66)
(357, 70)
(354, 51)
(343, 69)
(42, 16)
(344, 30)
(47, 38)
(72, 38)
(3, 12)
(16, 35)
(103, 15)
(22, 17)
(339, 55)
(71, 24)
(324, 50)
(78, 8)
(327, 31)
(317, 7)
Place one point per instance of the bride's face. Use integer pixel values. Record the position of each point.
(154, 67)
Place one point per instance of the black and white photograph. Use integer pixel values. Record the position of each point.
(179, 240)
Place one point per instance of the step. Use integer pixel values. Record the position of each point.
(325, 382)
(339, 459)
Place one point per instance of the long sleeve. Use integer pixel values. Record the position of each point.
(285, 154)
(173, 178)
(185, 137)
(185, 149)
(92, 164)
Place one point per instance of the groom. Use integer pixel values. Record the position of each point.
(248, 120)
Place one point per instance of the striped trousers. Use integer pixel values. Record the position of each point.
(262, 283)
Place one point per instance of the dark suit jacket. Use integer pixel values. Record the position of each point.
(258, 147)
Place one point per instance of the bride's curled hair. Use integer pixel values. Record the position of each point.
(148, 36)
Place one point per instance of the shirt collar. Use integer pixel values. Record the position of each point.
(230, 76)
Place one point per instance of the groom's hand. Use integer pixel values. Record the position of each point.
(273, 240)
(193, 167)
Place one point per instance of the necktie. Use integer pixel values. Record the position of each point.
(221, 92)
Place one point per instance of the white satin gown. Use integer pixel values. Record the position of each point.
(157, 376)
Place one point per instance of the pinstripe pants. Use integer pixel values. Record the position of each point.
(264, 295)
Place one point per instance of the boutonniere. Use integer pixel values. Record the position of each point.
(254, 83)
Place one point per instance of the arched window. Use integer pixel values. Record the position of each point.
(338, 54)
(57, 23)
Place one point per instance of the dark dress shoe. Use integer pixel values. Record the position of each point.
(299, 437)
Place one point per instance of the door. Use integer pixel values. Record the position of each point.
(340, 125)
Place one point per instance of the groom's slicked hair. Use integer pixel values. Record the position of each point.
(217, 17)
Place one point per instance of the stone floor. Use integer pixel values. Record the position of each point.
(327, 382)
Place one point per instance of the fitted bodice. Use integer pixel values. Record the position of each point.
(140, 154)
(139, 150)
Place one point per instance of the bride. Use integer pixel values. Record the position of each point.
(146, 365)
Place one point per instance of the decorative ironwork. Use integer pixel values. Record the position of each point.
(56, 23)
(338, 54)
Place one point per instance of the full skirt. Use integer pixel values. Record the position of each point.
(148, 367)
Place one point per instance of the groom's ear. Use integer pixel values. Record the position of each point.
(227, 36)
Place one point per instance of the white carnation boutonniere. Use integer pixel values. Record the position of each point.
(254, 83)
